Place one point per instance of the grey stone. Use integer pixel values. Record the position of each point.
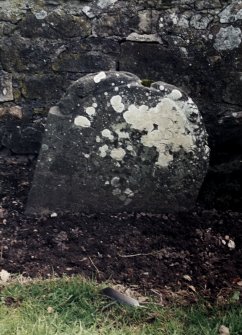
(105, 3)
(228, 38)
(119, 23)
(231, 13)
(199, 21)
(6, 89)
(88, 12)
(54, 25)
(113, 145)
(144, 38)
(207, 4)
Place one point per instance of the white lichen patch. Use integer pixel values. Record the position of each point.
(231, 13)
(100, 76)
(122, 134)
(119, 129)
(129, 192)
(108, 134)
(41, 14)
(82, 121)
(116, 103)
(174, 18)
(91, 111)
(88, 12)
(103, 150)
(129, 147)
(118, 154)
(105, 3)
(144, 38)
(165, 126)
(175, 95)
(228, 38)
(55, 110)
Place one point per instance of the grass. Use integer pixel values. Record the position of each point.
(73, 306)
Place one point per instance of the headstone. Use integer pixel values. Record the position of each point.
(113, 145)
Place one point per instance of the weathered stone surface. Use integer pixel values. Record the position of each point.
(152, 60)
(120, 23)
(43, 87)
(83, 62)
(21, 55)
(114, 145)
(22, 139)
(87, 55)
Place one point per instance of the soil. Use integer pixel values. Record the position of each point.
(199, 251)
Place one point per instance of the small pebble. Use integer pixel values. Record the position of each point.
(231, 244)
(223, 330)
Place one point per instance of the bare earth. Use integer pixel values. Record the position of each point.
(197, 252)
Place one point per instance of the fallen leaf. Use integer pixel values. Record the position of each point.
(4, 276)
(192, 288)
(187, 277)
(142, 299)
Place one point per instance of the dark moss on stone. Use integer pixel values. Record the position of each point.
(147, 82)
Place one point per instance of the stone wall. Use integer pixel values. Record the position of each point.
(193, 44)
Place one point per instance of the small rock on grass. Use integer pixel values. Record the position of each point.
(50, 310)
(223, 330)
(4, 276)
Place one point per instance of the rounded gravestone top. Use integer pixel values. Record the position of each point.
(114, 145)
